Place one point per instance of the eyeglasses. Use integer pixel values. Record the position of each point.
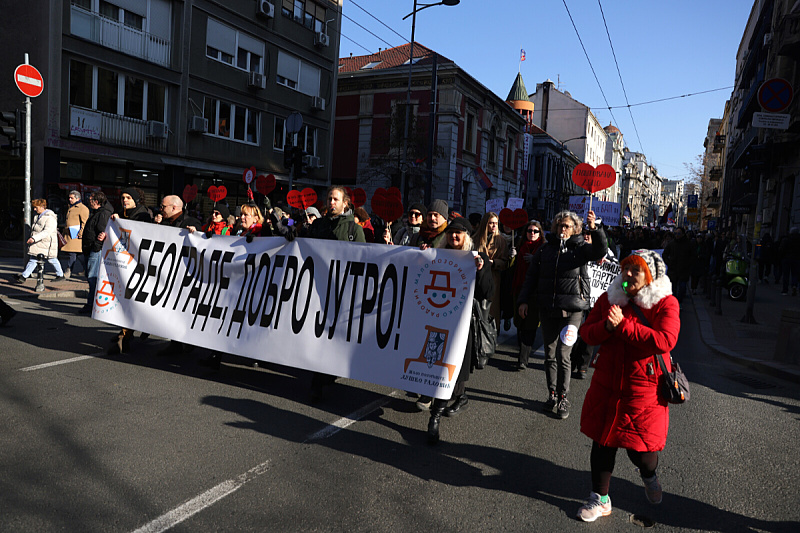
(216, 214)
(414, 214)
(165, 206)
(565, 226)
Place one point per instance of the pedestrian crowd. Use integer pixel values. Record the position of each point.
(535, 279)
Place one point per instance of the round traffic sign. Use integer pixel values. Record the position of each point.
(775, 95)
(294, 122)
(29, 80)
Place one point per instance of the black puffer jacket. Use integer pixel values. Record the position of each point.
(95, 225)
(558, 279)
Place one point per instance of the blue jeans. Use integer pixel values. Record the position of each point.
(791, 269)
(32, 265)
(92, 268)
(74, 258)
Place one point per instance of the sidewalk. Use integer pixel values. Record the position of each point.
(12, 262)
(752, 345)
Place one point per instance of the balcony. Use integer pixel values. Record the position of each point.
(719, 143)
(788, 35)
(715, 173)
(109, 128)
(117, 36)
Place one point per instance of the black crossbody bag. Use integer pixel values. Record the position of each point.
(673, 386)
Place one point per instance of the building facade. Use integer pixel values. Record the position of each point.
(475, 131)
(166, 93)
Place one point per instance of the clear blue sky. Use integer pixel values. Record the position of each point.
(664, 49)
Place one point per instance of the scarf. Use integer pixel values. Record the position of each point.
(427, 235)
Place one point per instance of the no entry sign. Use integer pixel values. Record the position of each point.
(775, 95)
(29, 80)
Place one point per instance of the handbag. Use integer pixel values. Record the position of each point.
(62, 242)
(485, 332)
(672, 386)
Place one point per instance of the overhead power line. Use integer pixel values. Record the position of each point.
(380, 21)
(390, 45)
(624, 92)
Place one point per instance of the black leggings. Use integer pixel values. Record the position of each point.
(603, 459)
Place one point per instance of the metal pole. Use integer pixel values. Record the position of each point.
(752, 278)
(404, 161)
(431, 134)
(27, 206)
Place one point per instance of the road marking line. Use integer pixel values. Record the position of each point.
(215, 494)
(352, 418)
(197, 504)
(56, 363)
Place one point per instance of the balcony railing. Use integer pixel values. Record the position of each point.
(719, 143)
(117, 36)
(715, 174)
(113, 129)
(788, 37)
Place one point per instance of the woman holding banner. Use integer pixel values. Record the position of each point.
(557, 283)
(457, 237)
(532, 240)
(489, 241)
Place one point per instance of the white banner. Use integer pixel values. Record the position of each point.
(609, 212)
(390, 315)
(602, 274)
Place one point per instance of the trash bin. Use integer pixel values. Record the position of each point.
(788, 337)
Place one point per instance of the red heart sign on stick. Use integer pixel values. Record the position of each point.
(293, 199)
(308, 197)
(217, 193)
(359, 197)
(593, 179)
(266, 184)
(387, 204)
(513, 219)
(349, 192)
(249, 175)
(189, 193)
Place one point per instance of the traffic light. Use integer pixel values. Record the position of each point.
(12, 128)
(287, 156)
(299, 167)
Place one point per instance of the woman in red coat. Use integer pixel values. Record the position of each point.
(622, 408)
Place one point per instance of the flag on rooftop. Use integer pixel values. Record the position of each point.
(522, 54)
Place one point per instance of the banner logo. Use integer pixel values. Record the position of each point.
(441, 287)
(433, 351)
(121, 248)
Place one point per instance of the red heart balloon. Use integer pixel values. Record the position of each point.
(189, 193)
(387, 204)
(513, 219)
(359, 197)
(349, 192)
(308, 197)
(249, 175)
(294, 200)
(266, 184)
(217, 193)
(395, 192)
(593, 179)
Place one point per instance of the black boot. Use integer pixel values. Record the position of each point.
(437, 409)
(458, 406)
(524, 353)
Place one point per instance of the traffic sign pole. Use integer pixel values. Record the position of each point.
(27, 206)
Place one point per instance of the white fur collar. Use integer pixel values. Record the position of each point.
(645, 298)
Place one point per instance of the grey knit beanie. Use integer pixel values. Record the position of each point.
(654, 262)
(439, 206)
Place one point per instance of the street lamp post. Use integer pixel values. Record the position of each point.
(404, 162)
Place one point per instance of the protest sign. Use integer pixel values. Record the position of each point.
(608, 212)
(389, 315)
(494, 205)
(601, 275)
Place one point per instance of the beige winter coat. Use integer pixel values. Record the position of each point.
(43, 233)
(77, 215)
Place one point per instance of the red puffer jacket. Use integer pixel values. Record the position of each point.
(622, 408)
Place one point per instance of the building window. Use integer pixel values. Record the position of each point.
(306, 139)
(119, 94)
(510, 153)
(231, 121)
(297, 74)
(279, 138)
(305, 12)
(469, 133)
(118, 14)
(234, 48)
(492, 146)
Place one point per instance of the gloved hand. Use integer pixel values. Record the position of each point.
(513, 252)
(249, 238)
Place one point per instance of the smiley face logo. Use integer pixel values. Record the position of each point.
(438, 294)
(104, 295)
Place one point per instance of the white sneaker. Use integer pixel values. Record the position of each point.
(652, 489)
(594, 508)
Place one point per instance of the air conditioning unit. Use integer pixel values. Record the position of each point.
(312, 161)
(257, 80)
(318, 103)
(157, 130)
(767, 39)
(321, 39)
(265, 9)
(198, 124)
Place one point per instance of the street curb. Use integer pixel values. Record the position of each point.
(52, 295)
(773, 368)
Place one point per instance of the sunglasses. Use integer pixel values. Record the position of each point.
(415, 214)
(532, 231)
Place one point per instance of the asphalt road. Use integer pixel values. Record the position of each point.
(145, 443)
